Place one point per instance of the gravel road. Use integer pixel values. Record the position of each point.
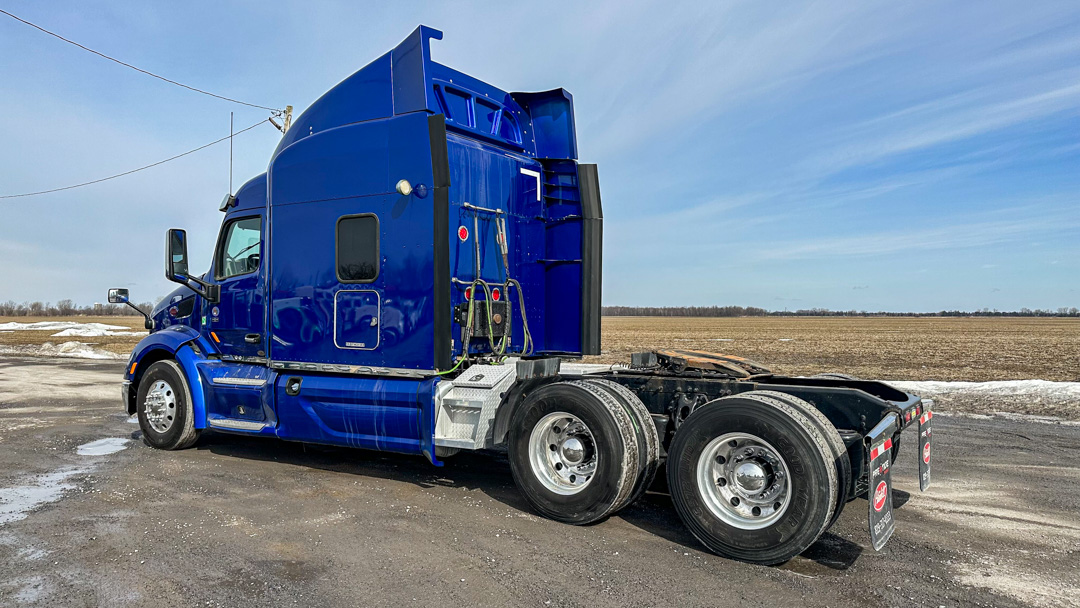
(244, 522)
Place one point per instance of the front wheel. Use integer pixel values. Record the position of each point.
(164, 406)
(752, 478)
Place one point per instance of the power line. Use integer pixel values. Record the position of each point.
(160, 162)
(179, 84)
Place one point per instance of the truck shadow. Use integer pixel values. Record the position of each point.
(489, 472)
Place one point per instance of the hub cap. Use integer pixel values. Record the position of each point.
(160, 406)
(743, 481)
(562, 453)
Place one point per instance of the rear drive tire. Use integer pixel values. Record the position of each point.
(752, 478)
(648, 439)
(836, 444)
(163, 404)
(573, 452)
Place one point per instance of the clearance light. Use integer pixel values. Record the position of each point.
(214, 336)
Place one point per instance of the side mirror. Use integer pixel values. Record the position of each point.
(176, 263)
(118, 296)
(176, 267)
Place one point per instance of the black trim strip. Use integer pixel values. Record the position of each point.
(592, 252)
(440, 174)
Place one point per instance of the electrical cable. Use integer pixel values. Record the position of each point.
(137, 69)
(160, 162)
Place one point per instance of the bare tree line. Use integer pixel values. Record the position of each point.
(68, 308)
(753, 311)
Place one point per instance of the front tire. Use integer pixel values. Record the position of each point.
(573, 452)
(752, 478)
(164, 407)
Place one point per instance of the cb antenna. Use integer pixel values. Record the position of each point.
(230, 151)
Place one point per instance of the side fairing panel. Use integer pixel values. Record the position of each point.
(372, 413)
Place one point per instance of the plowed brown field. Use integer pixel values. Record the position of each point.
(901, 348)
(895, 348)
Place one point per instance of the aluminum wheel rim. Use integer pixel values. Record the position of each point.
(744, 481)
(562, 453)
(160, 406)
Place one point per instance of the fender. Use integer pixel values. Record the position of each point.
(514, 398)
(181, 343)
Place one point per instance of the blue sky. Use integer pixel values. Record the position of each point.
(849, 155)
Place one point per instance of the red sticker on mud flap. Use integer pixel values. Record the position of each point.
(926, 453)
(463, 233)
(496, 294)
(880, 494)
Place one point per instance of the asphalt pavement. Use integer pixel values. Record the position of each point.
(237, 521)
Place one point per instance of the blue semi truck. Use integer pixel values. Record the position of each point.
(418, 271)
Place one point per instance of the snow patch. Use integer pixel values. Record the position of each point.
(16, 503)
(77, 350)
(997, 388)
(56, 326)
(90, 332)
(102, 447)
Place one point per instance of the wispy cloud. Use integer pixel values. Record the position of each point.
(940, 238)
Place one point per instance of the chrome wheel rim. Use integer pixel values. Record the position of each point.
(562, 453)
(744, 481)
(160, 406)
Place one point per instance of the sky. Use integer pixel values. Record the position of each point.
(897, 156)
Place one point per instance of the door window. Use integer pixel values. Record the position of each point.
(239, 250)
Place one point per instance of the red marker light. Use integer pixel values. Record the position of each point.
(495, 293)
(463, 233)
(468, 293)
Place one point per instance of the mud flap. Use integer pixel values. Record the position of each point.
(926, 439)
(879, 464)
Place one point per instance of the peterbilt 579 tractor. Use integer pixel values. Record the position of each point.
(418, 271)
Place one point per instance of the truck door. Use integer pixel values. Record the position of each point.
(239, 396)
(236, 322)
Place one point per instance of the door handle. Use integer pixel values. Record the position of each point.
(252, 338)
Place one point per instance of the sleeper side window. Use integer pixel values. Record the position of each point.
(358, 248)
(238, 252)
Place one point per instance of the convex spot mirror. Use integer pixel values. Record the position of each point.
(118, 296)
